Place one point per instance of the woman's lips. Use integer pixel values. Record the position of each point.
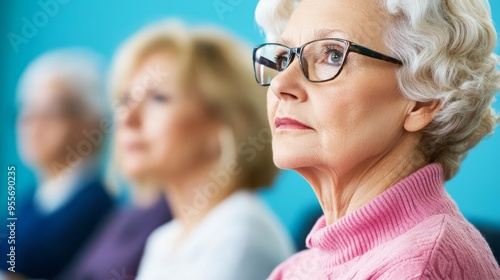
(134, 146)
(289, 123)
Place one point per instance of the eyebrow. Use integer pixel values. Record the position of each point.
(326, 32)
(320, 34)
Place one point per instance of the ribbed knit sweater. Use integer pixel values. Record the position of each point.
(413, 230)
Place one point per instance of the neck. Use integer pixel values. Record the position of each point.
(56, 172)
(343, 193)
(59, 169)
(193, 196)
(145, 194)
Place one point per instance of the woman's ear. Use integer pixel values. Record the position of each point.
(421, 115)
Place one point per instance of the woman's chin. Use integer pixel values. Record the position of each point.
(135, 172)
(288, 161)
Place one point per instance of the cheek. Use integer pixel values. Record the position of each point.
(361, 121)
(163, 134)
(58, 135)
(173, 139)
(45, 142)
(132, 162)
(27, 133)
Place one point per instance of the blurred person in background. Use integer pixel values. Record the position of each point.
(192, 117)
(377, 122)
(117, 248)
(60, 133)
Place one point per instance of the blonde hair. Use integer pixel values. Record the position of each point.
(215, 66)
(447, 50)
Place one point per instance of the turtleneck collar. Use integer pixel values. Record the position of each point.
(389, 215)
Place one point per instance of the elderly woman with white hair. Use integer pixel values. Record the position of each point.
(59, 136)
(376, 104)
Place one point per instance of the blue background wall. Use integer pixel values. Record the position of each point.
(103, 25)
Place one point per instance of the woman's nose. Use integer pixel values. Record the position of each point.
(130, 115)
(288, 85)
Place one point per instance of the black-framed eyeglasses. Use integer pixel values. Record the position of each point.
(320, 60)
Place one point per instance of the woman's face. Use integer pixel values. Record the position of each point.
(48, 124)
(349, 121)
(161, 131)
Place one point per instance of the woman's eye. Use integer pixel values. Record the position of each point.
(281, 62)
(125, 99)
(159, 97)
(334, 57)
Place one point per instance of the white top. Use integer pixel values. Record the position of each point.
(239, 239)
(52, 194)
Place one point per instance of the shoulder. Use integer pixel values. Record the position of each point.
(163, 233)
(247, 239)
(442, 247)
(460, 252)
(92, 191)
(157, 247)
(302, 265)
(253, 226)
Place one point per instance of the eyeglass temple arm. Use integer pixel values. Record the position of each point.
(266, 62)
(371, 53)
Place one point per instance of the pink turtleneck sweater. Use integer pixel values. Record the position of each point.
(413, 230)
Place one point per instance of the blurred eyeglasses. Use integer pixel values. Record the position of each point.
(65, 109)
(320, 60)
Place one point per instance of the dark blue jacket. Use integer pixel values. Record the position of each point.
(46, 244)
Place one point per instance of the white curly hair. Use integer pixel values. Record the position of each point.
(447, 48)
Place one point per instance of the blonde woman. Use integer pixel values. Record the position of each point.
(376, 104)
(191, 117)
